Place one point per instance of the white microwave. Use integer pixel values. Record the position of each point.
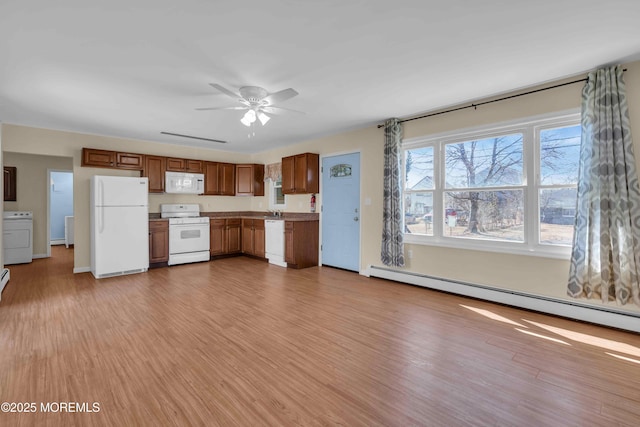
(184, 183)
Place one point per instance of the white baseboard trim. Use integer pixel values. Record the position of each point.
(81, 270)
(38, 256)
(57, 242)
(574, 310)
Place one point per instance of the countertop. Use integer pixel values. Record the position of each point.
(287, 216)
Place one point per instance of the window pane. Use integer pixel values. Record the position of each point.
(277, 196)
(418, 166)
(557, 216)
(484, 162)
(559, 155)
(492, 215)
(418, 211)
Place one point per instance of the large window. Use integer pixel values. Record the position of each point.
(506, 188)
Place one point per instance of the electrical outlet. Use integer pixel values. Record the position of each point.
(410, 253)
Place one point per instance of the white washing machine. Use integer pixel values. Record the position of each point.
(18, 237)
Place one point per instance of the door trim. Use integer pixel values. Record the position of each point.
(334, 154)
(49, 204)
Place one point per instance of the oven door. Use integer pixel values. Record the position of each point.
(185, 238)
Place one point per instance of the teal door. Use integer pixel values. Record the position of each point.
(341, 211)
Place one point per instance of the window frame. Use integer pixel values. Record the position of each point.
(272, 196)
(530, 127)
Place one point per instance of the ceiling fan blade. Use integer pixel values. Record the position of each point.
(221, 108)
(225, 91)
(280, 96)
(272, 109)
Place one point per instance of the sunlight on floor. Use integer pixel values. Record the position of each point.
(590, 339)
(542, 336)
(492, 315)
(628, 359)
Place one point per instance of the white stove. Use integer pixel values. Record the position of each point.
(188, 233)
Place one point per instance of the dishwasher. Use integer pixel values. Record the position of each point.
(274, 241)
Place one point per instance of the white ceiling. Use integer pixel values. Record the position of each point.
(134, 68)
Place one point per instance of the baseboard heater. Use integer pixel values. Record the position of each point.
(573, 310)
(4, 278)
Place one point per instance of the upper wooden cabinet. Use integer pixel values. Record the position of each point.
(176, 165)
(154, 168)
(250, 180)
(112, 159)
(194, 166)
(98, 158)
(184, 165)
(129, 161)
(10, 188)
(300, 174)
(219, 178)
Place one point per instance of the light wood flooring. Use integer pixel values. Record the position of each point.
(238, 342)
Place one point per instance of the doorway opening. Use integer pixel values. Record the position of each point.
(60, 208)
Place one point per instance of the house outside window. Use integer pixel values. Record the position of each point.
(505, 188)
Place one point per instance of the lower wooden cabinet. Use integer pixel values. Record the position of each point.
(301, 243)
(224, 237)
(253, 237)
(158, 241)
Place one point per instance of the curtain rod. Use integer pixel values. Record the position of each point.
(474, 105)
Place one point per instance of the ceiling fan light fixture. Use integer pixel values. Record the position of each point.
(263, 118)
(248, 118)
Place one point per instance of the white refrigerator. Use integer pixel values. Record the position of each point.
(119, 225)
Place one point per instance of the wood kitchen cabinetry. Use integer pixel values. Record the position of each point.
(250, 180)
(253, 242)
(10, 187)
(158, 242)
(301, 243)
(224, 236)
(130, 161)
(111, 159)
(300, 174)
(184, 165)
(219, 178)
(154, 168)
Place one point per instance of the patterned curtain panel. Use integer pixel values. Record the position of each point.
(273, 172)
(605, 261)
(392, 245)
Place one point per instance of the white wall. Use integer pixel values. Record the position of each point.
(535, 275)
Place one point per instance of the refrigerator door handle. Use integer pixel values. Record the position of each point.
(101, 206)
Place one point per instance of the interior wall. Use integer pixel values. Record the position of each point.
(530, 274)
(535, 275)
(28, 140)
(31, 191)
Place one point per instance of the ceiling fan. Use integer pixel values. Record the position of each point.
(257, 101)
